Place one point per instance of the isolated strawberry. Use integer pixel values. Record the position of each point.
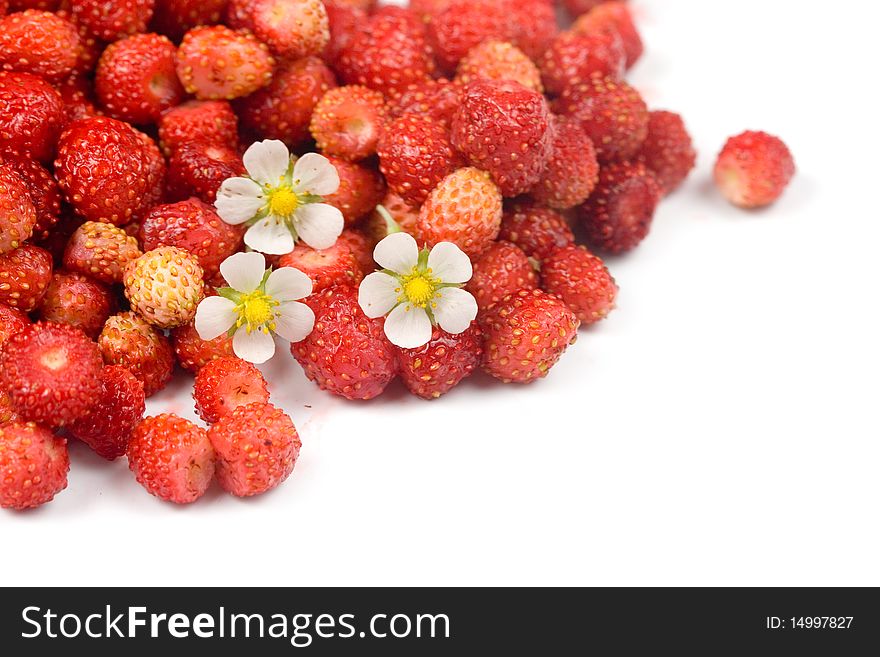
(38, 42)
(193, 353)
(668, 151)
(130, 341)
(78, 301)
(574, 57)
(615, 17)
(346, 354)
(34, 464)
(435, 368)
(499, 60)
(174, 18)
(118, 408)
(256, 446)
(572, 171)
(465, 209)
(43, 192)
(525, 334)
(17, 212)
(361, 189)
(503, 269)
(536, 230)
(171, 458)
(753, 169)
(25, 274)
(291, 28)
(348, 121)
(31, 116)
(326, 267)
(463, 24)
(100, 251)
(165, 286)
(581, 280)
(198, 168)
(224, 384)
(12, 321)
(435, 99)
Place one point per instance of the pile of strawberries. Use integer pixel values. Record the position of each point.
(476, 122)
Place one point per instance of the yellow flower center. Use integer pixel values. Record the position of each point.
(419, 287)
(283, 201)
(256, 310)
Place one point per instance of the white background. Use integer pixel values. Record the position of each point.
(720, 428)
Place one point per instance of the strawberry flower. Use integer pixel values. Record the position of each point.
(418, 289)
(281, 199)
(258, 303)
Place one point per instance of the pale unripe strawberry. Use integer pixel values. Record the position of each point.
(165, 286)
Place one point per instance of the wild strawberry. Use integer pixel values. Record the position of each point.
(581, 280)
(215, 62)
(291, 28)
(574, 57)
(12, 321)
(434, 99)
(105, 170)
(389, 52)
(534, 25)
(136, 80)
(77, 301)
(347, 354)
(128, 340)
(344, 20)
(31, 116)
(174, 18)
(17, 212)
(118, 408)
(360, 190)
(38, 42)
(78, 97)
(668, 152)
(347, 122)
(165, 286)
(171, 458)
(284, 108)
(437, 367)
(572, 171)
(753, 169)
(326, 267)
(504, 128)
(361, 248)
(503, 269)
(211, 121)
(101, 251)
(154, 174)
(24, 277)
(612, 113)
(256, 446)
(195, 227)
(90, 47)
(525, 334)
(465, 209)
(618, 215)
(463, 24)
(613, 16)
(110, 20)
(499, 60)
(198, 168)
(52, 372)
(415, 154)
(536, 230)
(193, 353)
(34, 463)
(43, 192)
(225, 384)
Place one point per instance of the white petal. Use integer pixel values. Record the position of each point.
(255, 347)
(318, 224)
(270, 235)
(288, 284)
(378, 294)
(314, 174)
(408, 326)
(398, 252)
(244, 271)
(295, 321)
(450, 264)
(454, 309)
(267, 161)
(214, 316)
(239, 200)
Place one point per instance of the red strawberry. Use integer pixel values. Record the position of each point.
(525, 334)
(499, 60)
(504, 128)
(52, 373)
(154, 176)
(211, 121)
(347, 354)
(437, 367)
(198, 168)
(43, 192)
(12, 321)
(612, 113)
(38, 42)
(117, 410)
(326, 267)
(535, 26)
(76, 93)
(291, 28)
(24, 277)
(17, 212)
(31, 116)
(388, 53)
(195, 227)
(572, 171)
(193, 353)
(463, 24)
(360, 190)
(174, 18)
(753, 169)
(110, 20)
(34, 463)
(613, 16)
(90, 47)
(136, 80)
(668, 152)
(284, 108)
(618, 216)
(171, 458)
(215, 62)
(348, 121)
(8, 414)
(536, 230)
(128, 340)
(574, 57)
(361, 248)
(225, 384)
(582, 281)
(465, 209)
(101, 251)
(415, 154)
(503, 269)
(344, 19)
(434, 99)
(77, 301)
(256, 446)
